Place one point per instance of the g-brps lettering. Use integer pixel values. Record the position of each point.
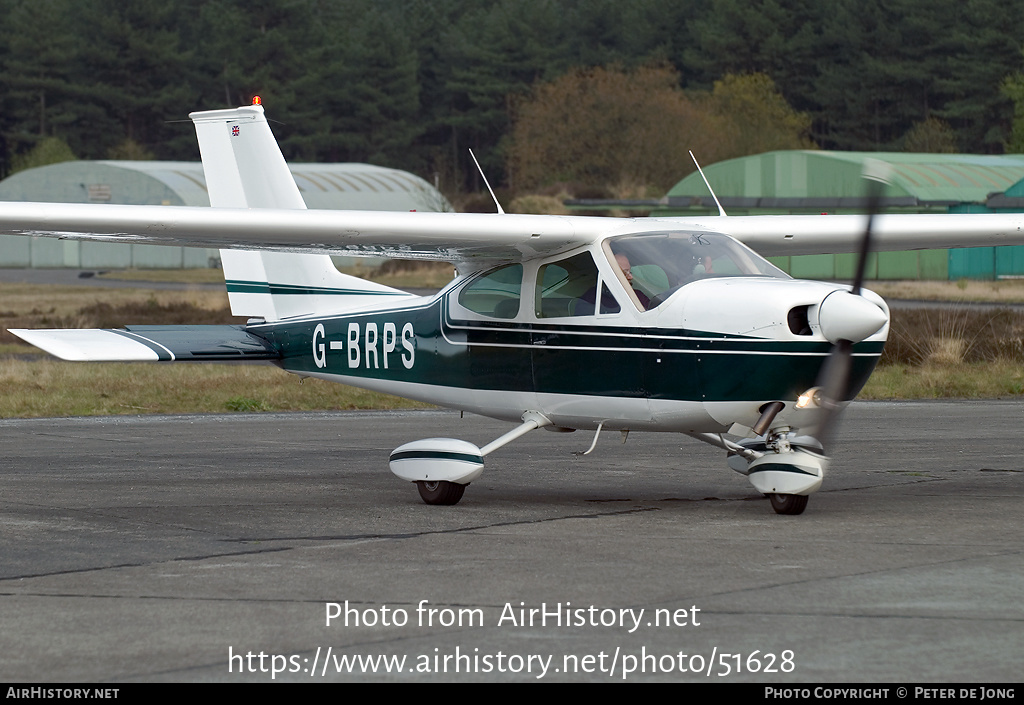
(362, 345)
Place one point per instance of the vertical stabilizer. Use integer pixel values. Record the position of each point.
(244, 168)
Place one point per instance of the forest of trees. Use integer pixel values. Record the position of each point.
(414, 83)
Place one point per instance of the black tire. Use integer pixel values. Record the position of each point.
(788, 503)
(440, 492)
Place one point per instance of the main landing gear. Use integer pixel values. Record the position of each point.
(788, 503)
(784, 467)
(443, 467)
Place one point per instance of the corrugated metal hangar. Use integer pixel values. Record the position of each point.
(323, 186)
(805, 181)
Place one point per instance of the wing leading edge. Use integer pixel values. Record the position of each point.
(773, 235)
(466, 237)
(437, 236)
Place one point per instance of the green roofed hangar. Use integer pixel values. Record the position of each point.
(323, 186)
(807, 181)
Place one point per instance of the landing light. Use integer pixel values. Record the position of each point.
(812, 397)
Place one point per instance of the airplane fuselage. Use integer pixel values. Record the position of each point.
(701, 362)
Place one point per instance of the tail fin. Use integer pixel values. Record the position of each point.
(244, 168)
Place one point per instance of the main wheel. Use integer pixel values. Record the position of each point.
(441, 492)
(788, 503)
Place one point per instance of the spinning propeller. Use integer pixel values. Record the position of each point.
(787, 467)
(847, 318)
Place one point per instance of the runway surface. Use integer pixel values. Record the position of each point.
(182, 548)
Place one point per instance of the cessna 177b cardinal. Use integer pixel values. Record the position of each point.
(650, 324)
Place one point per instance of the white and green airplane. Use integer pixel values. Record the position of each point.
(563, 322)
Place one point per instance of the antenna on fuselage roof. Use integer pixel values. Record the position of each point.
(721, 211)
(486, 183)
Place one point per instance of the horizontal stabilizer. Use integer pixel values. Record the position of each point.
(152, 343)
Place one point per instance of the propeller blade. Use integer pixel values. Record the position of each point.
(876, 174)
(833, 385)
(833, 381)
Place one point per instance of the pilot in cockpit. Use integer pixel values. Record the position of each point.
(623, 263)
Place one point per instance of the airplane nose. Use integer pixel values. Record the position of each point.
(846, 316)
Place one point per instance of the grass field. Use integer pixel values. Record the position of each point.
(999, 291)
(34, 306)
(930, 354)
(48, 387)
(35, 384)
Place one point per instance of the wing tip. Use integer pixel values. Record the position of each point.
(87, 345)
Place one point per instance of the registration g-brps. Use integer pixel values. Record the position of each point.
(674, 325)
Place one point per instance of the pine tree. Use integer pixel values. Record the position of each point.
(37, 49)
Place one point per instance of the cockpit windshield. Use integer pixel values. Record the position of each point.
(661, 263)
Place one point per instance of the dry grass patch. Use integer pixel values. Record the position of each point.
(33, 306)
(954, 335)
(64, 300)
(958, 352)
(413, 274)
(34, 384)
(49, 387)
(999, 291)
(980, 380)
(404, 274)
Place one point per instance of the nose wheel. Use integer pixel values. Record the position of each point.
(788, 503)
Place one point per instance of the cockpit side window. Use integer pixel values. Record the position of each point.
(569, 288)
(662, 263)
(608, 302)
(649, 278)
(496, 294)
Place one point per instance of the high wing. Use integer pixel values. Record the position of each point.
(257, 207)
(773, 235)
(465, 237)
(436, 236)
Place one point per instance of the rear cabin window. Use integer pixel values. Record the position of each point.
(496, 293)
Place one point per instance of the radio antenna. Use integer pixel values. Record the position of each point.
(486, 183)
(721, 211)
